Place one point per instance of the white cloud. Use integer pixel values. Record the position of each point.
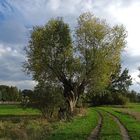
(129, 16)
(135, 74)
(20, 15)
(135, 80)
(2, 51)
(54, 4)
(24, 84)
(10, 50)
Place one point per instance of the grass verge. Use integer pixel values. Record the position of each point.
(110, 129)
(13, 110)
(131, 124)
(78, 129)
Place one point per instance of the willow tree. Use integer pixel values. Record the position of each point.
(100, 47)
(79, 65)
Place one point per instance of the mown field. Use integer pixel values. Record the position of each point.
(14, 110)
(101, 123)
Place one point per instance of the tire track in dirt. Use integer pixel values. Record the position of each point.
(124, 132)
(95, 133)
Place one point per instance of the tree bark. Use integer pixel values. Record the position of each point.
(72, 92)
(72, 104)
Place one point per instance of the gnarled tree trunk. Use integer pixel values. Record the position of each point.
(72, 92)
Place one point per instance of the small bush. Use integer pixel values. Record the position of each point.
(47, 99)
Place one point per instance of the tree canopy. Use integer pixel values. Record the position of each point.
(78, 63)
(120, 81)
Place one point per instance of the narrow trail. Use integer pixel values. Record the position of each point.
(95, 133)
(124, 132)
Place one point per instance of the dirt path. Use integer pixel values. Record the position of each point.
(95, 133)
(123, 130)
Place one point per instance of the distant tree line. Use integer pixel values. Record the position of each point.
(10, 93)
(133, 96)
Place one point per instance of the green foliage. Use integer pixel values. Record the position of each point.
(131, 124)
(49, 51)
(27, 96)
(110, 129)
(117, 90)
(9, 93)
(100, 46)
(77, 129)
(27, 92)
(133, 96)
(108, 98)
(17, 110)
(120, 99)
(47, 99)
(120, 81)
(78, 67)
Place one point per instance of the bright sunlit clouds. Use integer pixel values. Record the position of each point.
(129, 17)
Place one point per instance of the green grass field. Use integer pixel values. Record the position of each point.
(79, 128)
(13, 110)
(134, 107)
(131, 124)
(110, 129)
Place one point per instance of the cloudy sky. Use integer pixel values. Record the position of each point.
(17, 17)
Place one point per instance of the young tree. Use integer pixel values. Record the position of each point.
(78, 66)
(120, 81)
(99, 46)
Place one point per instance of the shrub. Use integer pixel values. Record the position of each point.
(120, 99)
(47, 99)
(107, 98)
